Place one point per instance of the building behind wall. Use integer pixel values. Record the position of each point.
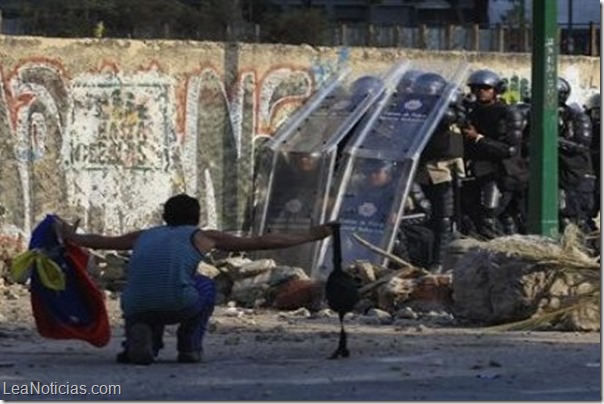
(394, 12)
(414, 12)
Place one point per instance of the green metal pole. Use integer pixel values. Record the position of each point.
(543, 183)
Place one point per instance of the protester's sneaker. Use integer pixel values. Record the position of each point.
(140, 346)
(122, 357)
(189, 356)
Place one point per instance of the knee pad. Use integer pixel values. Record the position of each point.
(509, 225)
(443, 225)
(490, 196)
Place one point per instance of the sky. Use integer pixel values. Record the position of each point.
(583, 11)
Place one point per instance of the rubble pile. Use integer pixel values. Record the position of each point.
(529, 279)
(506, 280)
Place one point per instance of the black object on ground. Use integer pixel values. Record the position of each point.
(341, 292)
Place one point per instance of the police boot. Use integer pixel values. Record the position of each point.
(488, 228)
(509, 225)
(587, 225)
(400, 248)
(443, 235)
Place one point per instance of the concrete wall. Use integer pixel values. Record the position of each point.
(106, 130)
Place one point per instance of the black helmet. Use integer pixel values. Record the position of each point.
(364, 85)
(486, 77)
(563, 90)
(593, 105)
(594, 102)
(525, 95)
(371, 165)
(429, 83)
(406, 82)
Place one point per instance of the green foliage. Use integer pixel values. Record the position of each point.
(254, 10)
(121, 18)
(175, 19)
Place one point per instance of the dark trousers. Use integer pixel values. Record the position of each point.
(192, 321)
(577, 204)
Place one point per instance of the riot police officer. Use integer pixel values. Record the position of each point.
(575, 170)
(441, 163)
(592, 109)
(360, 90)
(366, 205)
(415, 239)
(515, 197)
(492, 145)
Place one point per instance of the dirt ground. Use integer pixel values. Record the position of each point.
(271, 355)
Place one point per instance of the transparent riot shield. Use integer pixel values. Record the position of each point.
(302, 169)
(377, 169)
(269, 160)
(323, 98)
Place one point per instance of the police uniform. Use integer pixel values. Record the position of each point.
(415, 238)
(592, 108)
(494, 159)
(366, 209)
(441, 163)
(575, 171)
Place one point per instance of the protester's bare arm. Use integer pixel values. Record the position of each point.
(211, 239)
(100, 242)
(96, 241)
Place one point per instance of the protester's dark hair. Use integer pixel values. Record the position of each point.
(181, 210)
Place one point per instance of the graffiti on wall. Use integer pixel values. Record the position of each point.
(110, 147)
(117, 147)
(123, 130)
(219, 127)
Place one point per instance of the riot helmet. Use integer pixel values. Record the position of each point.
(429, 83)
(563, 91)
(486, 78)
(405, 84)
(592, 107)
(525, 95)
(363, 86)
(378, 172)
(371, 165)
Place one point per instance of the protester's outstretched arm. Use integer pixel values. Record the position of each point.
(95, 241)
(210, 239)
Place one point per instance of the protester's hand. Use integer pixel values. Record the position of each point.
(64, 230)
(322, 231)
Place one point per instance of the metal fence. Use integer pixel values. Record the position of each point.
(574, 40)
(578, 40)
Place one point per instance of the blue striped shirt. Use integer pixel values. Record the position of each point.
(161, 269)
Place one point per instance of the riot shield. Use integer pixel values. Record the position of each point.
(318, 101)
(294, 202)
(302, 169)
(378, 167)
(271, 157)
